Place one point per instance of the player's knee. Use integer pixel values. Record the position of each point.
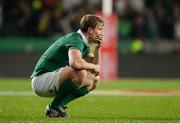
(93, 87)
(67, 73)
(94, 84)
(97, 80)
(80, 76)
(91, 83)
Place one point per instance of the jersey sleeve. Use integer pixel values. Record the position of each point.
(76, 44)
(87, 51)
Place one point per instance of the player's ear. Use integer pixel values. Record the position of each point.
(90, 30)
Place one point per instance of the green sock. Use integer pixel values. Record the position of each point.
(74, 95)
(67, 87)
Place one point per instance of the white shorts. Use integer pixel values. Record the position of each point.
(47, 84)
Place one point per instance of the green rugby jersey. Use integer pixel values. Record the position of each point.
(56, 56)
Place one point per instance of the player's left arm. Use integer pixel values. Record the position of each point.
(94, 58)
(97, 55)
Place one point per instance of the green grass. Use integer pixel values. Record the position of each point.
(137, 84)
(156, 84)
(95, 108)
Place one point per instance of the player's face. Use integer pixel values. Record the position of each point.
(97, 33)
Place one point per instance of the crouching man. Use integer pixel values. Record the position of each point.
(67, 70)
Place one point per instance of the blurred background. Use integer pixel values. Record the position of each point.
(148, 34)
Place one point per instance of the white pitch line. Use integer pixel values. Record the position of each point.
(131, 93)
(94, 93)
(16, 93)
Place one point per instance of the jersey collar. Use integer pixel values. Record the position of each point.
(83, 37)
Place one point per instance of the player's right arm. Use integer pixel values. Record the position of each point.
(77, 62)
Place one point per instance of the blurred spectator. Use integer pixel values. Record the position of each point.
(137, 5)
(25, 13)
(119, 6)
(68, 4)
(176, 13)
(151, 25)
(10, 17)
(137, 46)
(139, 28)
(1, 13)
(165, 19)
(77, 13)
(125, 28)
(144, 19)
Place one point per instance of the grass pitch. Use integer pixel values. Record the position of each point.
(19, 104)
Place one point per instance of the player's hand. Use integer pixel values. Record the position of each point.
(95, 70)
(99, 39)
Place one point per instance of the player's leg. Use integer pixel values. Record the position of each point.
(88, 85)
(95, 83)
(70, 80)
(75, 84)
(91, 81)
(59, 84)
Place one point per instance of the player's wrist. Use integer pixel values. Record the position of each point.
(98, 45)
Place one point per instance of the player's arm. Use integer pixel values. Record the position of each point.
(97, 55)
(89, 57)
(94, 58)
(77, 62)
